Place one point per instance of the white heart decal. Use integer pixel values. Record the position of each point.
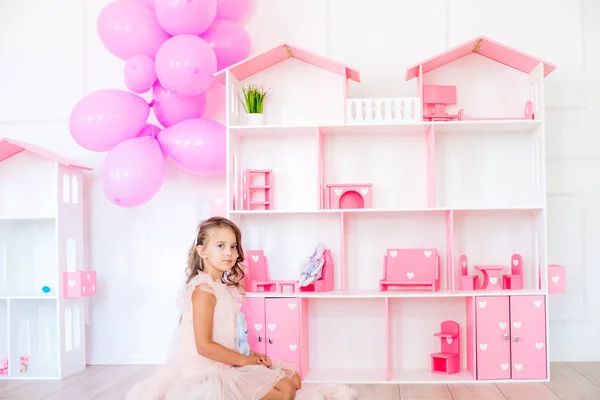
(255, 258)
(539, 345)
(493, 281)
(517, 325)
(427, 253)
(219, 201)
(555, 279)
(338, 192)
(483, 347)
(364, 191)
(410, 275)
(271, 327)
(89, 276)
(71, 283)
(537, 303)
(393, 253)
(482, 304)
(449, 340)
(502, 325)
(93, 288)
(258, 327)
(83, 289)
(515, 262)
(518, 367)
(293, 347)
(464, 263)
(504, 366)
(292, 306)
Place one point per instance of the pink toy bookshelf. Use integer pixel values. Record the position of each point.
(421, 180)
(42, 276)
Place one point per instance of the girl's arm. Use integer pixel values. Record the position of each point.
(203, 305)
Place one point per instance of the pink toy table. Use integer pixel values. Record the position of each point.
(492, 275)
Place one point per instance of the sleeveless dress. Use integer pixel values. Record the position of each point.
(189, 376)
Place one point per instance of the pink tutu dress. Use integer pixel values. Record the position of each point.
(189, 376)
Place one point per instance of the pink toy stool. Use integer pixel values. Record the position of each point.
(325, 283)
(515, 279)
(251, 184)
(349, 196)
(467, 282)
(257, 274)
(447, 361)
(556, 279)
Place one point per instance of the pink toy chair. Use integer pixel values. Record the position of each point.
(257, 274)
(515, 279)
(556, 279)
(435, 100)
(411, 268)
(467, 282)
(325, 283)
(447, 361)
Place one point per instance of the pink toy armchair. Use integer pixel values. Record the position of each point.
(467, 282)
(515, 279)
(411, 268)
(257, 274)
(325, 283)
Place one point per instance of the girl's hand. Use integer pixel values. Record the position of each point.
(252, 359)
(264, 360)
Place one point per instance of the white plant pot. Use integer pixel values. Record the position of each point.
(256, 119)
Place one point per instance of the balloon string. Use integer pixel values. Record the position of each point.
(152, 103)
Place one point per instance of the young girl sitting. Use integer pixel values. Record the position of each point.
(204, 363)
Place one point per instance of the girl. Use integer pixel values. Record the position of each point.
(204, 363)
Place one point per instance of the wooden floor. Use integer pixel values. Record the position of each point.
(570, 381)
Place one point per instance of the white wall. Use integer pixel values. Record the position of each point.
(51, 56)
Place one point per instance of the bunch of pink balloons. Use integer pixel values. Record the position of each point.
(172, 48)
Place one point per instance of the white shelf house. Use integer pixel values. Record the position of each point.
(453, 175)
(42, 333)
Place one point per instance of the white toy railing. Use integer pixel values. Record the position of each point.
(383, 111)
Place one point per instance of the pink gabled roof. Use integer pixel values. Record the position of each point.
(9, 148)
(253, 65)
(485, 47)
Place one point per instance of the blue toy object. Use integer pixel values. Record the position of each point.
(46, 289)
(313, 266)
(242, 333)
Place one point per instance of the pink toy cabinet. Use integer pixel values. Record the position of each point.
(257, 189)
(42, 214)
(411, 268)
(325, 283)
(277, 328)
(557, 280)
(257, 274)
(510, 337)
(447, 361)
(515, 279)
(467, 282)
(349, 196)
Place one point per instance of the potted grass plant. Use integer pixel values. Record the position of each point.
(253, 101)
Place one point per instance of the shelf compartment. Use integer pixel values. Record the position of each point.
(355, 324)
(28, 259)
(4, 339)
(34, 334)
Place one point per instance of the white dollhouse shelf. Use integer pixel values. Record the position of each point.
(455, 174)
(42, 333)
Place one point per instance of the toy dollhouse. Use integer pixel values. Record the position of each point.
(42, 282)
(448, 189)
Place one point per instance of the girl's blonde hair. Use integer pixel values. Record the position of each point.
(234, 276)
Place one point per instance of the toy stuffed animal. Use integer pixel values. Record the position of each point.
(242, 330)
(313, 266)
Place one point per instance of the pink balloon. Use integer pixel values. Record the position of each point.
(127, 28)
(170, 108)
(149, 130)
(215, 100)
(139, 73)
(230, 42)
(185, 65)
(233, 10)
(133, 171)
(196, 145)
(103, 118)
(147, 3)
(185, 16)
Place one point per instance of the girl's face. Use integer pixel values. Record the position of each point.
(220, 252)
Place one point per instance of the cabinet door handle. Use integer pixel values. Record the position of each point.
(516, 338)
(260, 338)
(270, 340)
(506, 336)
